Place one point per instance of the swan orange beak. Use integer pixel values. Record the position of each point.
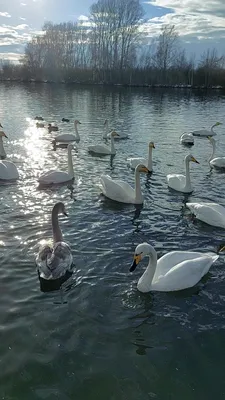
(137, 259)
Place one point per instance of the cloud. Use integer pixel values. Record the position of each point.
(23, 4)
(5, 14)
(193, 19)
(83, 18)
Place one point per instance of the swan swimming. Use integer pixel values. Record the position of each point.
(8, 170)
(176, 270)
(55, 259)
(218, 162)
(187, 138)
(182, 183)
(205, 132)
(121, 191)
(210, 213)
(57, 177)
(133, 162)
(102, 148)
(69, 137)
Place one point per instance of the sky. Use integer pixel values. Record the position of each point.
(199, 23)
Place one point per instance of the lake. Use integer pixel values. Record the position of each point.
(99, 338)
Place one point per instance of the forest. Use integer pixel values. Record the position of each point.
(113, 47)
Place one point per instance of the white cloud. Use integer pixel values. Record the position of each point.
(5, 14)
(15, 57)
(193, 19)
(23, 4)
(83, 18)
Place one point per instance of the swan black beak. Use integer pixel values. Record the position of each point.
(133, 266)
(65, 213)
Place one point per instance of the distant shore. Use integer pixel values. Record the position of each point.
(155, 86)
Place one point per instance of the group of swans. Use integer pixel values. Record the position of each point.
(176, 270)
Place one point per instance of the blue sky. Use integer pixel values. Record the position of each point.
(200, 24)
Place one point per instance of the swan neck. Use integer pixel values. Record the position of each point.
(212, 130)
(145, 282)
(138, 194)
(70, 163)
(113, 150)
(213, 151)
(76, 130)
(187, 173)
(106, 131)
(2, 150)
(57, 233)
(149, 166)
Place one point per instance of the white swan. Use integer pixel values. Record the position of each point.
(218, 162)
(133, 162)
(210, 213)
(54, 176)
(121, 191)
(182, 183)
(69, 137)
(176, 270)
(53, 261)
(187, 138)
(102, 148)
(205, 132)
(8, 170)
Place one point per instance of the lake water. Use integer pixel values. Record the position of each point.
(99, 338)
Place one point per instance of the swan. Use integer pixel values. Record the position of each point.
(8, 170)
(210, 213)
(187, 138)
(102, 148)
(52, 128)
(218, 162)
(205, 132)
(182, 183)
(121, 191)
(54, 260)
(54, 176)
(176, 270)
(69, 137)
(133, 162)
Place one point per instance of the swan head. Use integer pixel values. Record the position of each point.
(151, 145)
(1, 125)
(2, 134)
(142, 168)
(218, 123)
(77, 122)
(70, 147)
(191, 158)
(60, 208)
(142, 250)
(114, 134)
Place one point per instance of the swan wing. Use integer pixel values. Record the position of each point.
(184, 273)
(218, 162)
(211, 213)
(176, 181)
(134, 161)
(54, 177)
(116, 190)
(54, 262)
(203, 132)
(66, 137)
(8, 170)
(99, 149)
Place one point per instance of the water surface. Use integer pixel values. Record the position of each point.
(99, 338)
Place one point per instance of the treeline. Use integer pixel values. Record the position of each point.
(112, 48)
